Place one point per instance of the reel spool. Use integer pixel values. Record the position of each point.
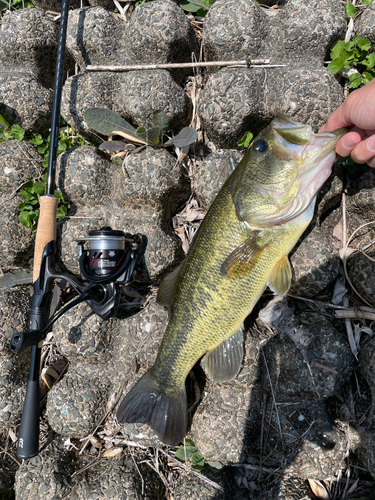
(110, 255)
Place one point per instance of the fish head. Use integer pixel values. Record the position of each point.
(280, 175)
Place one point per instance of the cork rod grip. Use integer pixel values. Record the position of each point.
(46, 231)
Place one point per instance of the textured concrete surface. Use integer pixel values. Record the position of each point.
(107, 358)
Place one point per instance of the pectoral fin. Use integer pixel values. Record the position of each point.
(243, 259)
(224, 362)
(281, 277)
(165, 292)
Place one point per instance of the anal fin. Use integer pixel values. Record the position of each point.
(281, 277)
(224, 362)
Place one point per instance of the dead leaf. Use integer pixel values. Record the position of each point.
(353, 486)
(51, 372)
(318, 489)
(47, 381)
(337, 230)
(338, 292)
(344, 413)
(69, 445)
(194, 215)
(96, 442)
(112, 452)
(12, 435)
(345, 253)
(358, 330)
(349, 30)
(111, 401)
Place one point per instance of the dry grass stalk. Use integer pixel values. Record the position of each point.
(274, 402)
(345, 254)
(260, 468)
(10, 455)
(352, 313)
(247, 63)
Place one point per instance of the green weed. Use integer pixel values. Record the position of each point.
(14, 5)
(32, 189)
(245, 140)
(351, 10)
(11, 132)
(198, 7)
(353, 55)
(29, 209)
(67, 139)
(188, 454)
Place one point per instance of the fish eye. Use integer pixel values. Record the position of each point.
(260, 146)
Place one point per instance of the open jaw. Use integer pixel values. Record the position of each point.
(314, 154)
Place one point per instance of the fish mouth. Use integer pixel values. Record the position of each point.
(293, 140)
(314, 155)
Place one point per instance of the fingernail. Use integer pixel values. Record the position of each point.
(371, 143)
(348, 142)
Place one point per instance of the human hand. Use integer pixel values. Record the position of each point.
(358, 114)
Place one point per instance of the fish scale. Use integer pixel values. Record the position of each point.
(241, 247)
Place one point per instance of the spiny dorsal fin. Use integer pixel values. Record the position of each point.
(243, 259)
(224, 362)
(165, 292)
(281, 277)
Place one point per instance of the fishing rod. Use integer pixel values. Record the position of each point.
(107, 259)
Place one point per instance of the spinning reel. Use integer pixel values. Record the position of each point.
(107, 259)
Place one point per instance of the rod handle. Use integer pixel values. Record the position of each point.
(28, 435)
(46, 232)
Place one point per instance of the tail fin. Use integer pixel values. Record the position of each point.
(148, 403)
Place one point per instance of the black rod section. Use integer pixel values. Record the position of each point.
(55, 126)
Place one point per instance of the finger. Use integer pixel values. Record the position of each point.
(349, 141)
(364, 151)
(371, 163)
(339, 118)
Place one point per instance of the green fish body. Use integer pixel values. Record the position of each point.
(241, 247)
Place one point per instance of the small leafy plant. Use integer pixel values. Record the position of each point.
(32, 189)
(66, 141)
(15, 5)
(29, 209)
(351, 166)
(353, 55)
(111, 124)
(188, 454)
(8, 133)
(245, 140)
(351, 10)
(199, 7)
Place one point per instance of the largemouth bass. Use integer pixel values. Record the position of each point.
(241, 247)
